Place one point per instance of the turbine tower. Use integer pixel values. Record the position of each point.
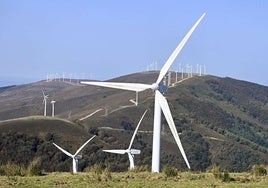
(53, 107)
(75, 156)
(160, 101)
(129, 151)
(45, 97)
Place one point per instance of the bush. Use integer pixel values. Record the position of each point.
(106, 175)
(144, 168)
(96, 170)
(223, 176)
(170, 171)
(34, 168)
(216, 172)
(259, 170)
(2, 171)
(226, 176)
(12, 170)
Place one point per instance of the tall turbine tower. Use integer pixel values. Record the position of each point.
(45, 97)
(160, 101)
(53, 107)
(75, 156)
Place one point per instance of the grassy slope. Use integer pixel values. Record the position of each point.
(131, 179)
(40, 126)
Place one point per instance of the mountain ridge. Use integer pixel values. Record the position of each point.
(222, 121)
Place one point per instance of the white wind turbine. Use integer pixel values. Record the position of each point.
(129, 151)
(160, 101)
(137, 99)
(53, 107)
(75, 156)
(45, 103)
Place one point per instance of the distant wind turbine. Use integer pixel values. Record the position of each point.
(53, 107)
(160, 101)
(45, 97)
(129, 151)
(75, 156)
(137, 98)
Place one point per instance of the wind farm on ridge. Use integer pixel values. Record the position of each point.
(160, 83)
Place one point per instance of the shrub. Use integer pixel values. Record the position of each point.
(106, 175)
(259, 170)
(216, 172)
(96, 170)
(226, 176)
(223, 176)
(2, 171)
(144, 168)
(34, 168)
(170, 171)
(12, 170)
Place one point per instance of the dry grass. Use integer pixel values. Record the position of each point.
(132, 179)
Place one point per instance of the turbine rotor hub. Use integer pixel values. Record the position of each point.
(154, 86)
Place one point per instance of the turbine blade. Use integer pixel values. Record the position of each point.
(131, 161)
(64, 151)
(118, 85)
(166, 111)
(173, 56)
(117, 151)
(84, 145)
(135, 132)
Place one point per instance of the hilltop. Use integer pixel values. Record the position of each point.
(222, 122)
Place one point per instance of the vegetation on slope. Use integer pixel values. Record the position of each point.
(222, 122)
(134, 179)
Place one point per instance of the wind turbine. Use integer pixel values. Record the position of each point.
(75, 156)
(45, 103)
(137, 99)
(129, 151)
(160, 101)
(53, 107)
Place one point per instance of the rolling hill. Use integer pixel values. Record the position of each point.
(222, 122)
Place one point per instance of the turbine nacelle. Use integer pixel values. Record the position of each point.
(134, 151)
(78, 157)
(162, 88)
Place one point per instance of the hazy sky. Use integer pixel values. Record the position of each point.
(105, 39)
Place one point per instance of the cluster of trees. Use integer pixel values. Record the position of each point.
(21, 149)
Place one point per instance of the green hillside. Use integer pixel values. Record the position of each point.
(222, 122)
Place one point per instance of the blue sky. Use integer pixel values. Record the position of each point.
(105, 39)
